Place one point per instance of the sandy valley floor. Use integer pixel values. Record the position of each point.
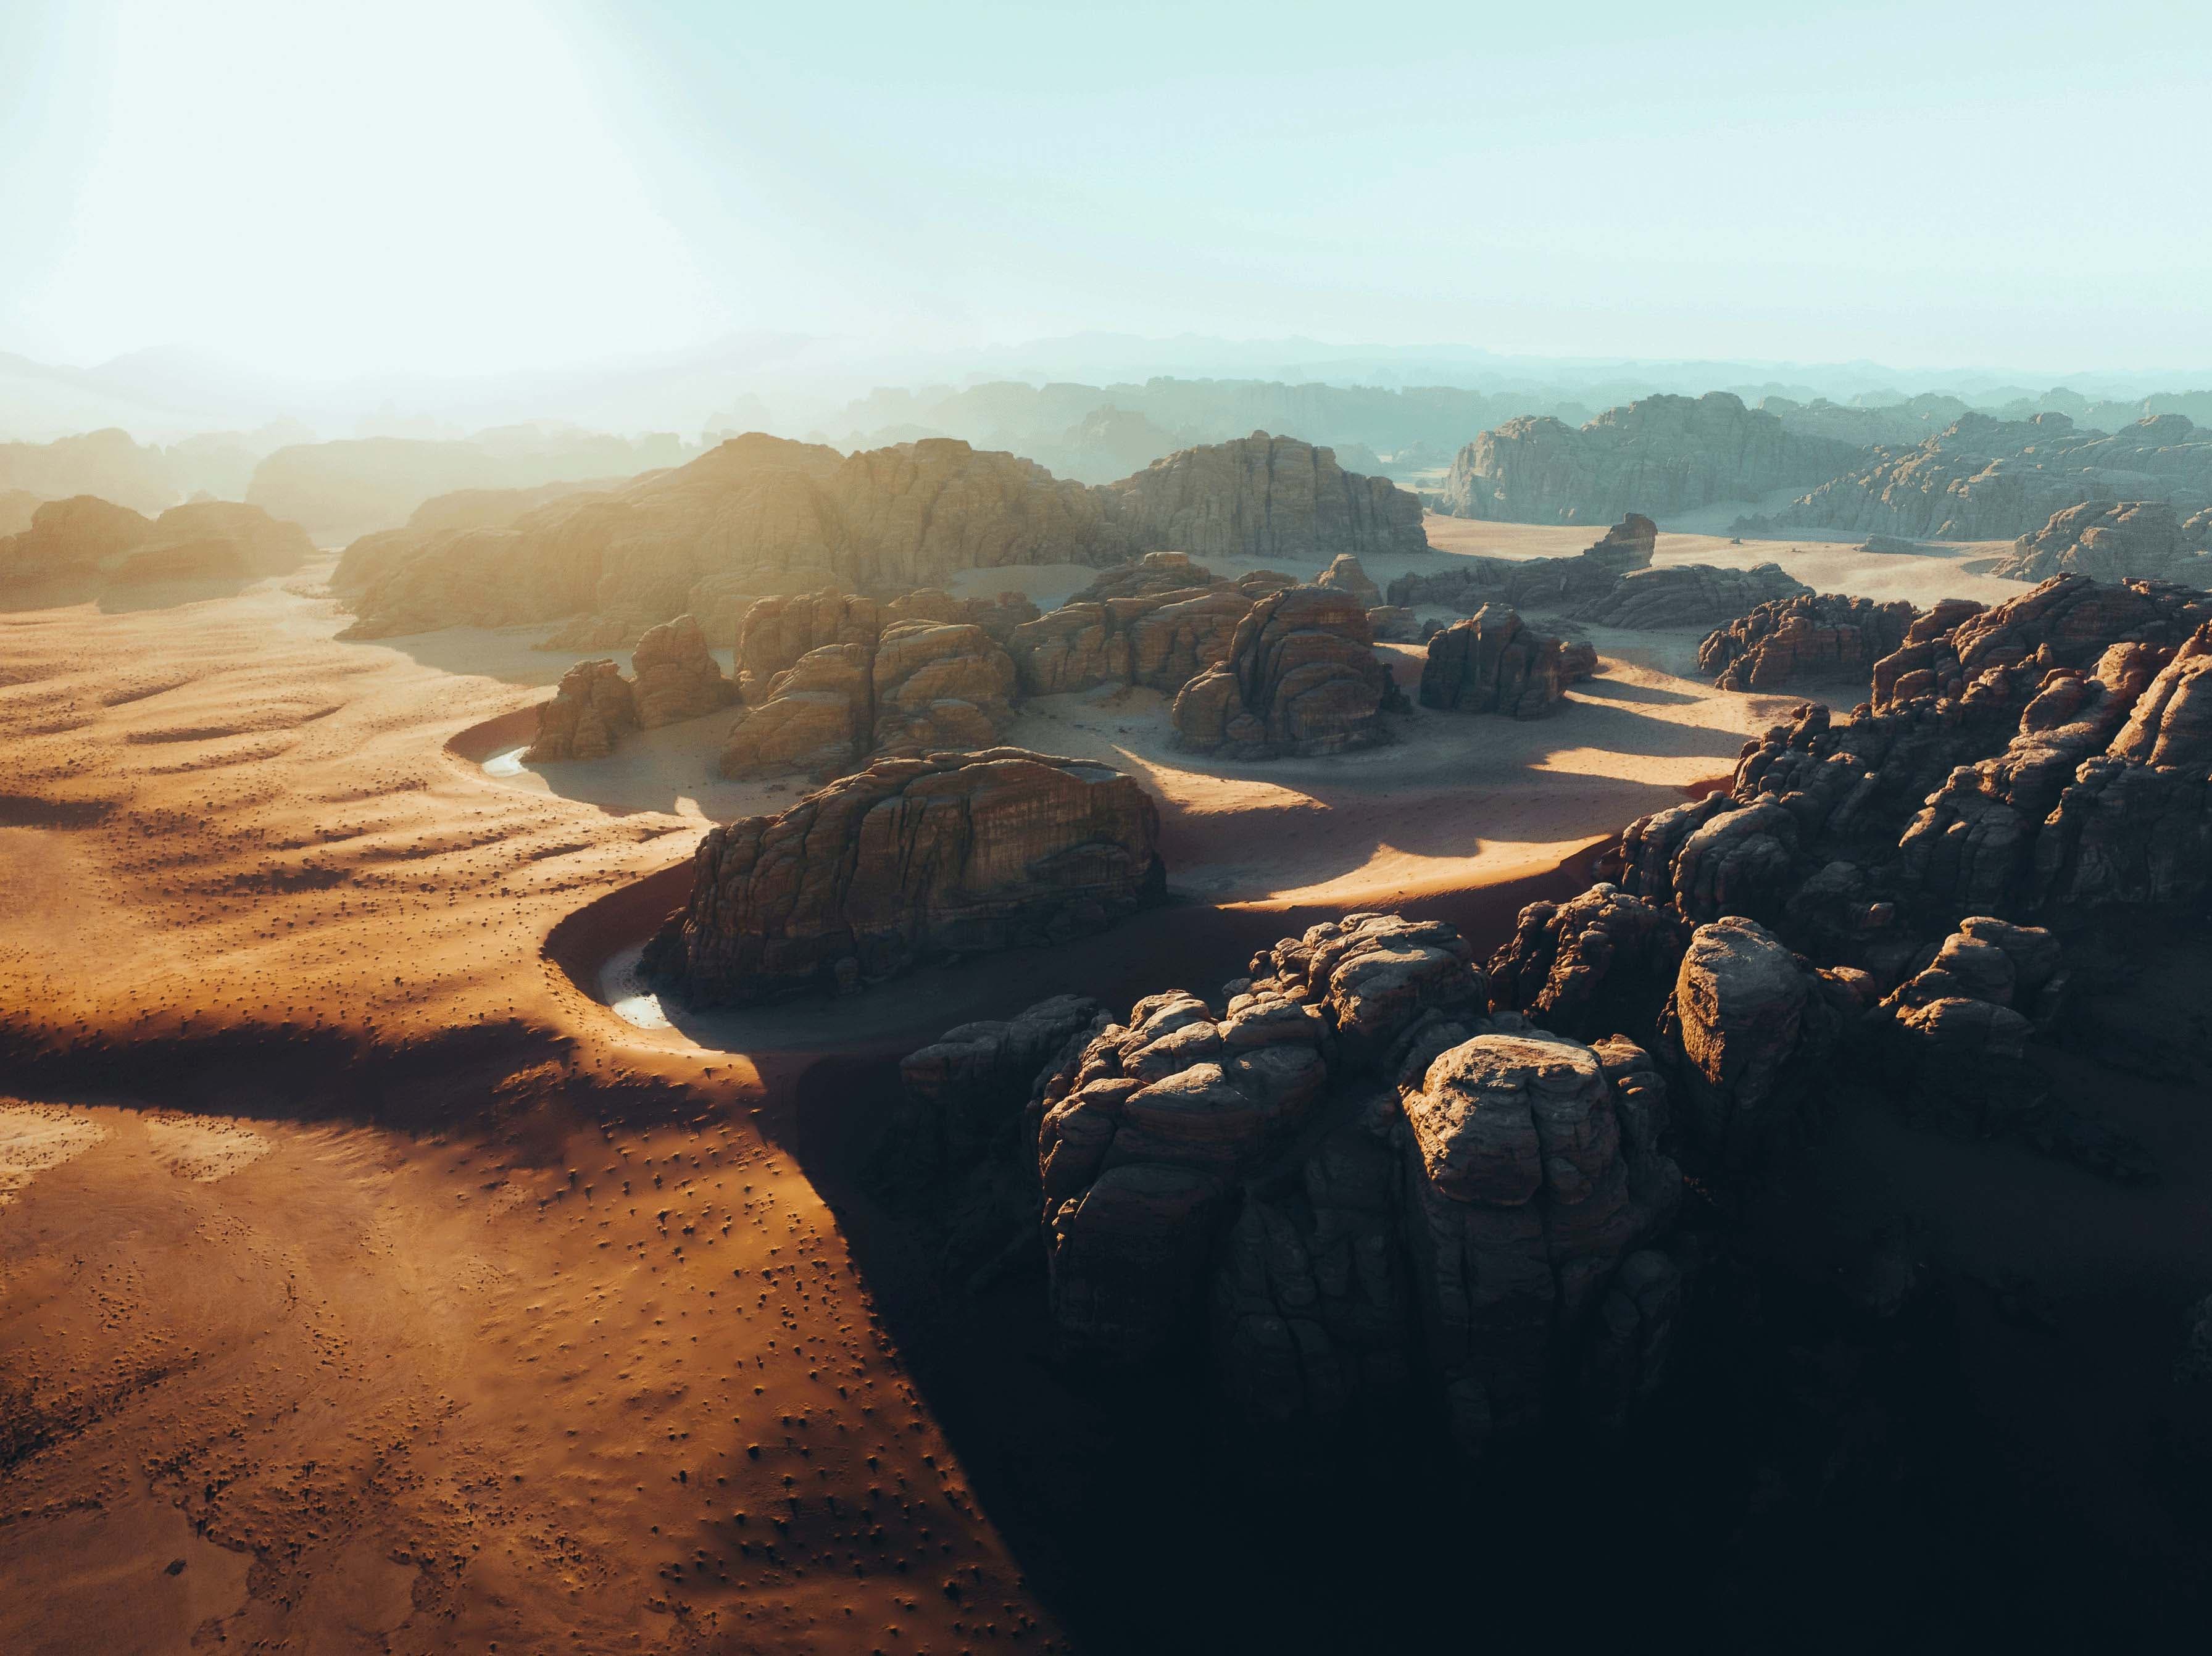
(458, 1311)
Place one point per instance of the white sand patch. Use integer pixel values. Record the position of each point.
(201, 1150)
(508, 763)
(628, 995)
(34, 1137)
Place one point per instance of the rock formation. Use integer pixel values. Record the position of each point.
(1157, 623)
(87, 538)
(1267, 497)
(1982, 478)
(1664, 454)
(836, 679)
(1346, 575)
(586, 716)
(1491, 663)
(759, 516)
(1392, 625)
(678, 679)
(2109, 542)
(909, 860)
(677, 676)
(1536, 583)
(1813, 635)
(1687, 595)
(1344, 1180)
(1299, 677)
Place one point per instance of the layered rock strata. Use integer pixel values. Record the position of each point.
(1687, 595)
(908, 860)
(1493, 663)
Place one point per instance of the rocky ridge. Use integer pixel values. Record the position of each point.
(759, 516)
(1299, 677)
(85, 537)
(2110, 542)
(1664, 454)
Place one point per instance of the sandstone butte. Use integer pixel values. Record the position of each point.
(761, 516)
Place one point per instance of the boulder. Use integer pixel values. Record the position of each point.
(1491, 663)
(908, 860)
(1392, 625)
(1601, 964)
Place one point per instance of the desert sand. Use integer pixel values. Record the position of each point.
(455, 1310)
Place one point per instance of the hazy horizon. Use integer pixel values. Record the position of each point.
(320, 195)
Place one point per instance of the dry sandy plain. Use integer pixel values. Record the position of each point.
(367, 1284)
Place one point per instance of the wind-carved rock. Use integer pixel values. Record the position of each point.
(836, 679)
(1813, 636)
(1346, 575)
(677, 676)
(1158, 622)
(1300, 677)
(1983, 478)
(1351, 1149)
(1600, 964)
(908, 860)
(1493, 663)
(587, 716)
(1545, 583)
(2110, 541)
(1664, 454)
(1687, 595)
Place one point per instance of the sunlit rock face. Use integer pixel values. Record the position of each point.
(2111, 540)
(908, 860)
(1300, 676)
(1536, 583)
(1784, 641)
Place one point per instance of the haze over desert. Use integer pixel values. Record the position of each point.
(1242, 831)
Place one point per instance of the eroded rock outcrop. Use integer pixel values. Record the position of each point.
(1493, 663)
(1263, 497)
(86, 537)
(1813, 636)
(1157, 623)
(1346, 575)
(2110, 542)
(1687, 595)
(1661, 454)
(833, 678)
(910, 860)
(676, 676)
(1299, 677)
(1536, 583)
(1364, 1193)
(587, 716)
(1983, 478)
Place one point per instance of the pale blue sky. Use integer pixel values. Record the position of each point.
(474, 185)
